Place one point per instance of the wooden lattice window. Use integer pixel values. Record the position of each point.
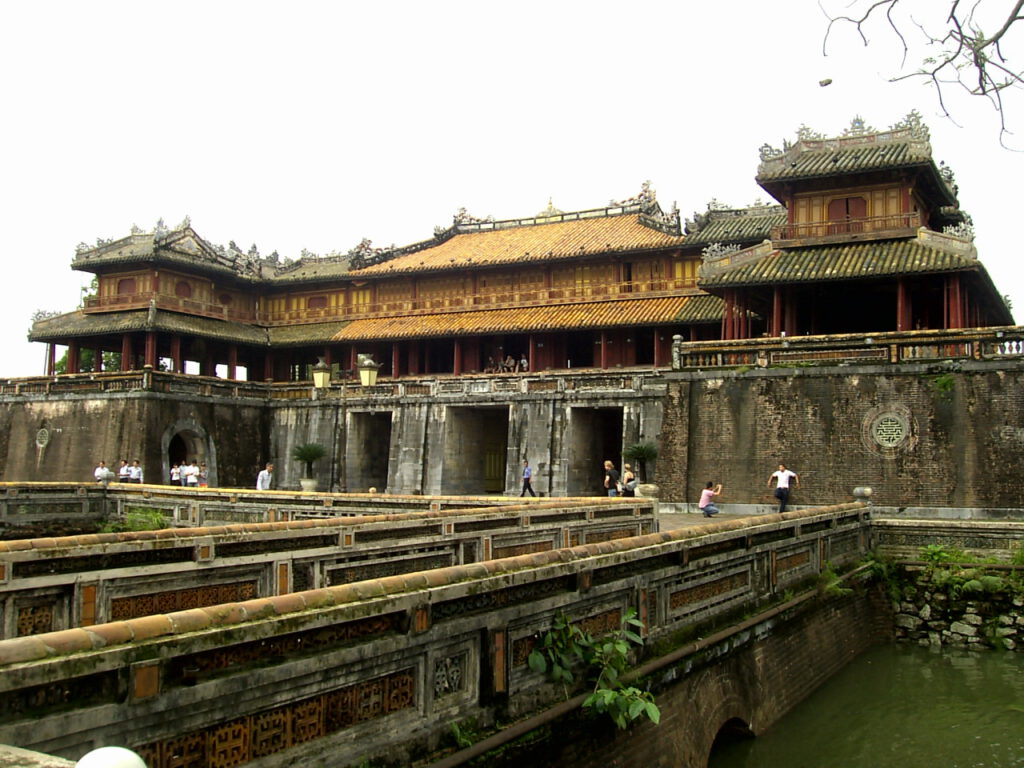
(183, 289)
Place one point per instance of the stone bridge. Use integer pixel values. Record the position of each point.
(56, 583)
(331, 675)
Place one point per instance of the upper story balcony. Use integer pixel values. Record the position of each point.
(143, 300)
(848, 229)
(492, 299)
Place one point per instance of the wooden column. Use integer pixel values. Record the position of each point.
(232, 361)
(657, 347)
(126, 352)
(177, 365)
(457, 357)
(74, 357)
(353, 360)
(531, 355)
(396, 360)
(150, 357)
(97, 360)
(776, 329)
(268, 366)
(904, 313)
(954, 303)
(604, 349)
(51, 359)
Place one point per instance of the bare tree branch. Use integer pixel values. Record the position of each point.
(964, 56)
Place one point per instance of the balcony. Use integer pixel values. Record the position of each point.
(525, 297)
(847, 230)
(127, 301)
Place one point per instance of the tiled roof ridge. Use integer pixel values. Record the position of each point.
(717, 211)
(98, 636)
(910, 130)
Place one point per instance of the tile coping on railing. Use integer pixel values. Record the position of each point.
(83, 639)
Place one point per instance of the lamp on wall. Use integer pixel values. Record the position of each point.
(367, 370)
(321, 374)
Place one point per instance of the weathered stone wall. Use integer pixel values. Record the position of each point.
(82, 430)
(961, 608)
(950, 436)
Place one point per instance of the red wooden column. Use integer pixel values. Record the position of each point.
(531, 344)
(457, 357)
(396, 360)
(268, 366)
(126, 352)
(353, 360)
(177, 366)
(904, 313)
(604, 349)
(51, 359)
(657, 347)
(97, 360)
(232, 361)
(776, 329)
(150, 349)
(954, 303)
(74, 357)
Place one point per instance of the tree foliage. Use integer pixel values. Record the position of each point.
(963, 46)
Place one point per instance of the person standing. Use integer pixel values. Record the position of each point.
(135, 472)
(527, 479)
(175, 474)
(611, 479)
(628, 480)
(707, 499)
(190, 474)
(783, 478)
(265, 478)
(124, 472)
(101, 473)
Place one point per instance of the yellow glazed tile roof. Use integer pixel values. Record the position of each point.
(540, 242)
(598, 314)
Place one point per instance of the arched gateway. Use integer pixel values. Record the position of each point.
(187, 440)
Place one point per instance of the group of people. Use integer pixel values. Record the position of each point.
(508, 365)
(188, 474)
(619, 485)
(126, 473)
(783, 478)
(625, 485)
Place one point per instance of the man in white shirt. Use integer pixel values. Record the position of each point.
(783, 476)
(135, 472)
(265, 478)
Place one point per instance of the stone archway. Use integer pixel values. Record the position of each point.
(186, 439)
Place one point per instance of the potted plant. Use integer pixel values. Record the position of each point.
(641, 453)
(307, 453)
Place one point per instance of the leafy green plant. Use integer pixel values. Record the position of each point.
(641, 453)
(138, 519)
(944, 383)
(566, 646)
(464, 734)
(939, 554)
(307, 454)
(829, 583)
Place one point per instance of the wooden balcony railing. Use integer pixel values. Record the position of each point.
(867, 225)
(485, 300)
(891, 347)
(172, 303)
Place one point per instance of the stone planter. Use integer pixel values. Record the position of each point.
(650, 490)
(308, 483)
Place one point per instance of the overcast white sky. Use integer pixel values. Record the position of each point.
(315, 124)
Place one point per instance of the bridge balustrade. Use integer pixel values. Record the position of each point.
(339, 671)
(62, 582)
(884, 348)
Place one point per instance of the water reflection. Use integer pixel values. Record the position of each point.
(901, 707)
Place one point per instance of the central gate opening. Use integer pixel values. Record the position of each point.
(368, 449)
(476, 450)
(595, 434)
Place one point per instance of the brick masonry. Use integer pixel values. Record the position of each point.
(962, 446)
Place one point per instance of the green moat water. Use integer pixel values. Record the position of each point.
(900, 707)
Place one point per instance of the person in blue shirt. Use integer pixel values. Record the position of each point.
(527, 479)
